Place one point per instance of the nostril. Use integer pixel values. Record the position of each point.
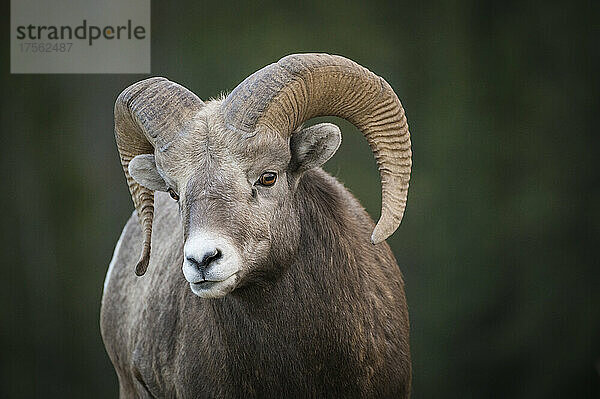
(210, 256)
(206, 259)
(194, 262)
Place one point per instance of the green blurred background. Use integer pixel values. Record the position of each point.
(497, 244)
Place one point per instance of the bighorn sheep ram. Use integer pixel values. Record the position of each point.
(291, 295)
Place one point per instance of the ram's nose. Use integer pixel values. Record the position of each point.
(203, 260)
(211, 264)
(208, 257)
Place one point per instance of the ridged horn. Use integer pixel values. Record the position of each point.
(283, 95)
(150, 114)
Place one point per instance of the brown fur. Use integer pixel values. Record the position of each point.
(321, 312)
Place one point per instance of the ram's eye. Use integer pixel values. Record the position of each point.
(173, 194)
(268, 178)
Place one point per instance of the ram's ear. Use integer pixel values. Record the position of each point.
(143, 170)
(313, 146)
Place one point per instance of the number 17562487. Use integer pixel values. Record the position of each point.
(46, 47)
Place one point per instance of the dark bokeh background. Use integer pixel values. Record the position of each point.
(503, 218)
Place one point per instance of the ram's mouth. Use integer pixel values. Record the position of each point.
(214, 289)
(206, 284)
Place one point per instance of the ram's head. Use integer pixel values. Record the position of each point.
(234, 164)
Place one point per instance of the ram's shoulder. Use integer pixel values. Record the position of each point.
(113, 295)
(123, 290)
(167, 227)
(124, 252)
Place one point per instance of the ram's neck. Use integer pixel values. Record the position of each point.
(312, 320)
(329, 264)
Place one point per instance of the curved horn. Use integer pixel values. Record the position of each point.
(150, 114)
(299, 87)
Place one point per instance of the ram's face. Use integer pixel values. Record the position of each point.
(234, 162)
(235, 201)
(231, 196)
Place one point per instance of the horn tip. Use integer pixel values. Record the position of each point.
(142, 265)
(386, 226)
(377, 237)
